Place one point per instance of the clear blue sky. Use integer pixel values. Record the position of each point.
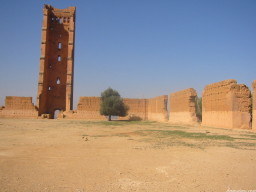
(142, 48)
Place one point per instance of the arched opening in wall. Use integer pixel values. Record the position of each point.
(56, 113)
(58, 81)
(59, 45)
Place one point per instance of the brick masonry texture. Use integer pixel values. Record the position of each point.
(55, 83)
(157, 108)
(18, 107)
(182, 107)
(87, 108)
(226, 104)
(138, 109)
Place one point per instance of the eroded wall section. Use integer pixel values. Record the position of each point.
(183, 107)
(137, 109)
(226, 104)
(254, 105)
(88, 108)
(18, 107)
(157, 108)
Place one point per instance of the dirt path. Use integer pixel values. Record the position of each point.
(80, 156)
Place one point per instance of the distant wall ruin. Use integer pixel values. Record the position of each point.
(88, 108)
(138, 109)
(183, 107)
(226, 104)
(18, 107)
(254, 105)
(157, 108)
(154, 109)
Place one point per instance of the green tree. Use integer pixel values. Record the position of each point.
(198, 101)
(112, 104)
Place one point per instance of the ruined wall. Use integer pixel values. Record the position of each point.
(183, 107)
(18, 107)
(87, 108)
(137, 109)
(226, 104)
(157, 108)
(254, 105)
(154, 109)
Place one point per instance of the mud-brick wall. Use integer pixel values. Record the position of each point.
(254, 105)
(18, 107)
(157, 108)
(154, 109)
(183, 107)
(89, 108)
(137, 109)
(226, 104)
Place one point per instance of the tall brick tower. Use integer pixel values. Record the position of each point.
(55, 85)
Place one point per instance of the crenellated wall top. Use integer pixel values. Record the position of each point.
(68, 12)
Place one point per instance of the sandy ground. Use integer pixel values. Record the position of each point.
(82, 156)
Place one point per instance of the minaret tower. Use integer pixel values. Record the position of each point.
(56, 74)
